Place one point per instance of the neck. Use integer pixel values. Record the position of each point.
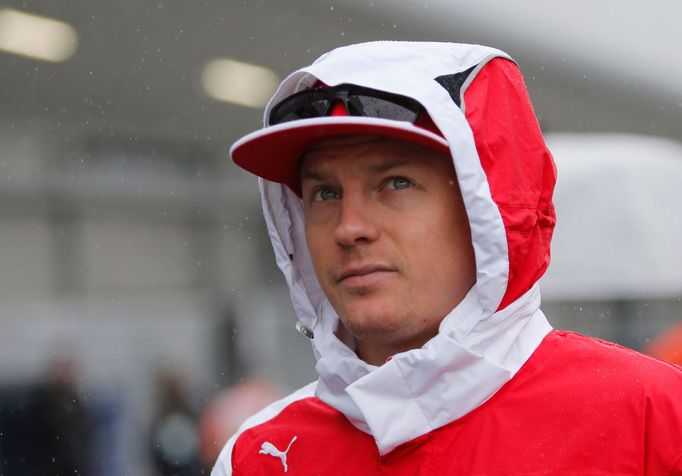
(377, 353)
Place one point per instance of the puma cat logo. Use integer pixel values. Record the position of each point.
(268, 448)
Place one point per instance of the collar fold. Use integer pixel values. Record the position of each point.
(423, 389)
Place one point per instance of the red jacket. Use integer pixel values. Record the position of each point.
(496, 391)
(577, 406)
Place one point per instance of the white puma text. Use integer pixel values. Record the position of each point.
(268, 448)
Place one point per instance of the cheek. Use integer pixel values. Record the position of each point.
(312, 242)
(427, 230)
(438, 243)
(318, 249)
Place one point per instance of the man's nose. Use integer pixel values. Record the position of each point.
(357, 221)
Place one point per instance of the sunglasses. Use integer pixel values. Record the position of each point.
(358, 101)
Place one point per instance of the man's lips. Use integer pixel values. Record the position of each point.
(363, 275)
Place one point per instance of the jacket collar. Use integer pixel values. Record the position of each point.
(423, 389)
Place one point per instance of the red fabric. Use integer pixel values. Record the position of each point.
(578, 406)
(519, 167)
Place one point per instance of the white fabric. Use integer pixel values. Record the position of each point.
(477, 350)
(473, 355)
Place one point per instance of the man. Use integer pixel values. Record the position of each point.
(407, 191)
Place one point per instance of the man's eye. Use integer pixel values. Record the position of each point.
(324, 194)
(398, 183)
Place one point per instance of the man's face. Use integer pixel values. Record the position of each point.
(389, 239)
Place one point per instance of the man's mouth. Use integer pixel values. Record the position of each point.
(358, 276)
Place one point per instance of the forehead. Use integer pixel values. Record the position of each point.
(366, 152)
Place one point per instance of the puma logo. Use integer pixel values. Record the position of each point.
(268, 448)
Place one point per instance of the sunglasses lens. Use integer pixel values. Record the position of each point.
(371, 103)
(368, 106)
(300, 106)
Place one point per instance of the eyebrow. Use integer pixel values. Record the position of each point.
(374, 169)
(310, 174)
(388, 165)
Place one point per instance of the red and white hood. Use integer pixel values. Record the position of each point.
(476, 97)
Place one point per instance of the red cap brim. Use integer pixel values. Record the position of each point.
(273, 152)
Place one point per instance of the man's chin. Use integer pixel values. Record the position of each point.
(364, 324)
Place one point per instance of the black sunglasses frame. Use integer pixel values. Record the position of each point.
(312, 103)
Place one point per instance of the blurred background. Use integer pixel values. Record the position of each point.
(141, 312)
